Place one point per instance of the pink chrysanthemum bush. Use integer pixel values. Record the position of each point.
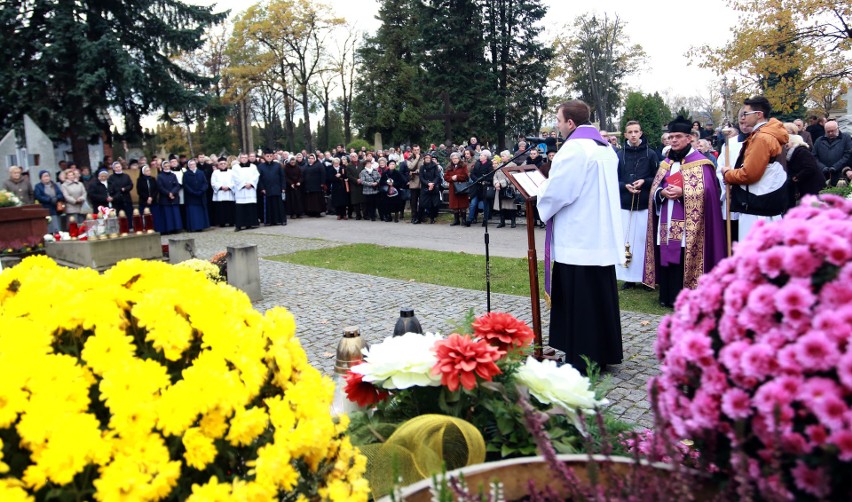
(757, 363)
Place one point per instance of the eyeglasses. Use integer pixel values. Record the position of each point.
(750, 113)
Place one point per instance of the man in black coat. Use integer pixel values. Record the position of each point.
(833, 152)
(270, 187)
(637, 165)
(120, 187)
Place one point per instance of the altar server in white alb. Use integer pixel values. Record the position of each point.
(637, 165)
(245, 176)
(584, 242)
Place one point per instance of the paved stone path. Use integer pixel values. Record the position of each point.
(325, 301)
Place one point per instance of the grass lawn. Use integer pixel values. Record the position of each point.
(461, 270)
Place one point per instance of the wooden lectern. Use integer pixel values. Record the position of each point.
(527, 179)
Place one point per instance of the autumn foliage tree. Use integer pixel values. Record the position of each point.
(784, 48)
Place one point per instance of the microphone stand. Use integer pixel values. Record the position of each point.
(480, 181)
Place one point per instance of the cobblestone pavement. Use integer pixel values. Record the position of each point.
(325, 301)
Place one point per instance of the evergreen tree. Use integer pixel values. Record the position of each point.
(389, 90)
(66, 63)
(454, 58)
(519, 62)
(650, 111)
(218, 136)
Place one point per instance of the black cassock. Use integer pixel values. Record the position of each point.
(592, 327)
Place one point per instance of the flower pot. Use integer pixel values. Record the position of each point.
(516, 474)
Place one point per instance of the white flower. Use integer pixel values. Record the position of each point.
(401, 362)
(562, 386)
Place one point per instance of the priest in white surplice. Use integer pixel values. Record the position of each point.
(583, 244)
(245, 177)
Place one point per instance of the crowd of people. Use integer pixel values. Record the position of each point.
(402, 184)
(248, 190)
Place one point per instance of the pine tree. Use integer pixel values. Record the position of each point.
(519, 61)
(454, 58)
(66, 63)
(389, 85)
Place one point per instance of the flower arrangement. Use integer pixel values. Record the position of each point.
(476, 377)
(757, 360)
(127, 385)
(209, 269)
(8, 199)
(220, 259)
(21, 246)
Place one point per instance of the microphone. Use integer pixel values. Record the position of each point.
(534, 139)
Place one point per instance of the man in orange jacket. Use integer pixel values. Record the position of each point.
(758, 180)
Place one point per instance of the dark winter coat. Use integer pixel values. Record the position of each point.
(337, 186)
(356, 191)
(146, 186)
(833, 155)
(195, 188)
(635, 163)
(804, 172)
(167, 183)
(313, 177)
(271, 178)
(97, 193)
(120, 186)
(478, 171)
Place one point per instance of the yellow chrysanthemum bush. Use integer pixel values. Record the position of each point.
(150, 381)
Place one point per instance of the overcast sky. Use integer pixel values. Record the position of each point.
(665, 30)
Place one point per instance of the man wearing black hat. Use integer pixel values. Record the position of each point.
(271, 190)
(689, 238)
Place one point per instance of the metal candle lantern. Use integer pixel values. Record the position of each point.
(349, 354)
(349, 350)
(407, 323)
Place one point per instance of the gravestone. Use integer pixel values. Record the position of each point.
(244, 270)
(103, 254)
(181, 249)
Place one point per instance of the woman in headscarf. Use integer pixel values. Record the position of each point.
(456, 172)
(48, 194)
(98, 191)
(370, 178)
(223, 193)
(169, 188)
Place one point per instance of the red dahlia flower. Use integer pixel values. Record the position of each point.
(503, 331)
(361, 392)
(460, 358)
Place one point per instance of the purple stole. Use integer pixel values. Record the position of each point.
(582, 132)
(697, 217)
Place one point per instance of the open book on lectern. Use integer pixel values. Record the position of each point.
(527, 178)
